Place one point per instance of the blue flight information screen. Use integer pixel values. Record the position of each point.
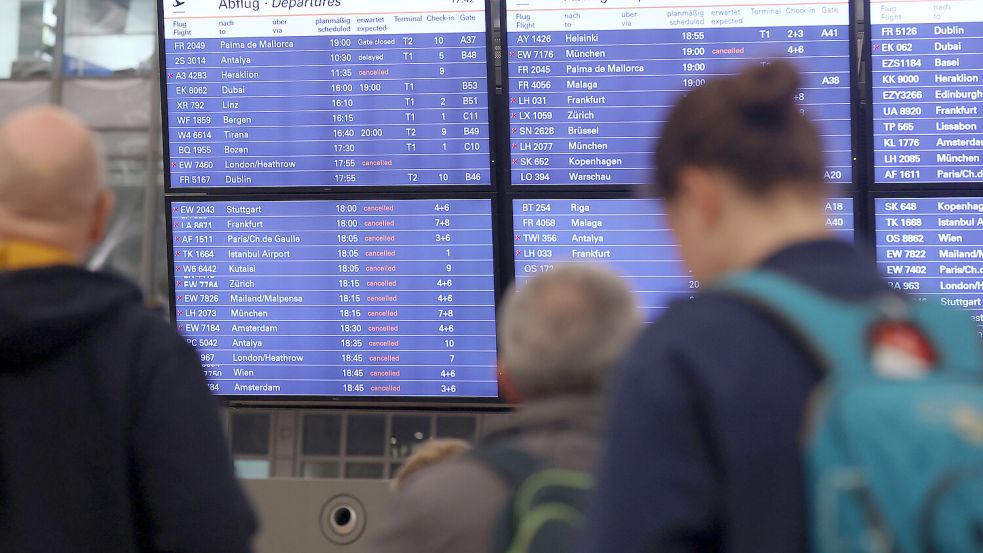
(591, 82)
(338, 298)
(933, 248)
(926, 76)
(326, 93)
(632, 236)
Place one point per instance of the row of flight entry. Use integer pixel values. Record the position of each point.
(333, 41)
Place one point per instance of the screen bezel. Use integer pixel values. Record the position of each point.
(498, 402)
(856, 126)
(352, 189)
(871, 151)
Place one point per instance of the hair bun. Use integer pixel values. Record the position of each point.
(765, 94)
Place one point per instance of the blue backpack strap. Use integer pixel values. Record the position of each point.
(832, 331)
(836, 332)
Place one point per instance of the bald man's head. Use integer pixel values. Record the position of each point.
(52, 187)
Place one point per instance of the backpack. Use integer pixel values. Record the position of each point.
(893, 464)
(546, 507)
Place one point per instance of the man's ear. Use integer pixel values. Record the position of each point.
(701, 190)
(507, 388)
(101, 214)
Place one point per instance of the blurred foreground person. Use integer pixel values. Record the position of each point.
(109, 439)
(560, 335)
(707, 431)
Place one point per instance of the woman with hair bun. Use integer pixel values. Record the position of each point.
(703, 450)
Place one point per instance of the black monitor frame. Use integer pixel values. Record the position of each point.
(942, 193)
(344, 401)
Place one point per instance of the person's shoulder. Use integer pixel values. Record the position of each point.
(454, 484)
(142, 338)
(450, 507)
(118, 305)
(135, 322)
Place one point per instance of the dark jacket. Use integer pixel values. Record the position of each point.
(704, 435)
(453, 506)
(109, 439)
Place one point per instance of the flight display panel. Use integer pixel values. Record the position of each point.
(927, 66)
(933, 248)
(367, 298)
(326, 93)
(591, 82)
(632, 236)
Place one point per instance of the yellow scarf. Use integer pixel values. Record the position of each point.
(16, 255)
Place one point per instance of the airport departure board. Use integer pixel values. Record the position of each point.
(631, 236)
(926, 77)
(326, 93)
(367, 298)
(933, 248)
(590, 82)
(336, 201)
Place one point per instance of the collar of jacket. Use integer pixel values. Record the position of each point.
(577, 412)
(18, 255)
